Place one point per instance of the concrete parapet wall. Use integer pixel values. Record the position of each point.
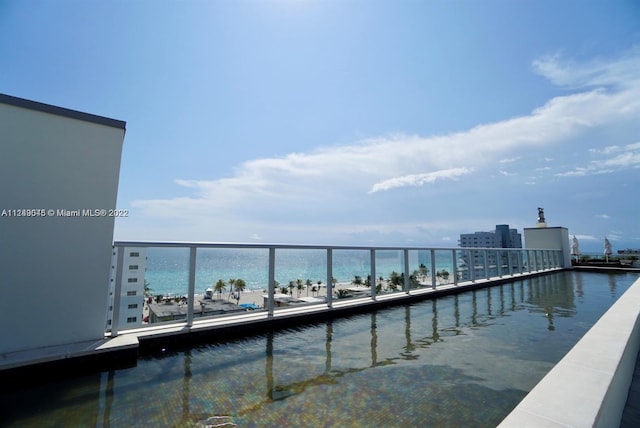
(589, 386)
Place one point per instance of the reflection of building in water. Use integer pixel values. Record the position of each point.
(550, 295)
(501, 237)
(277, 366)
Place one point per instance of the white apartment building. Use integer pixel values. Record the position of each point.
(132, 277)
(501, 237)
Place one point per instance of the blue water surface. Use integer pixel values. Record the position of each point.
(460, 360)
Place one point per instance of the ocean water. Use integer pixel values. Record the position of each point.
(168, 268)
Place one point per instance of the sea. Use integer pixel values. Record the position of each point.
(168, 268)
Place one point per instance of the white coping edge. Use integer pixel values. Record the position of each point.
(589, 386)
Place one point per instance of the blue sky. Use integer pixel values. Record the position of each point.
(349, 122)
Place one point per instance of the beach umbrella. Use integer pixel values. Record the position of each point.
(575, 248)
(607, 249)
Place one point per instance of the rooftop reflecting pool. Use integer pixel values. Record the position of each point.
(461, 360)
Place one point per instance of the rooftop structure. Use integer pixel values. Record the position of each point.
(59, 172)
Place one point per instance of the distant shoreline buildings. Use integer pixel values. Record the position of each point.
(501, 237)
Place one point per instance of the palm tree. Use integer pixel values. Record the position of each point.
(219, 287)
(239, 286)
(444, 274)
(299, 286)
(319, 285)
(308, 284)
(147, 289)
(291, 287)
(395, 279)
(357, 280)
(232, 282)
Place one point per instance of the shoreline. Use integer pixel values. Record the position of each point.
(256, 297)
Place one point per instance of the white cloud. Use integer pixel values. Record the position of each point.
(290, 190)
(419, 179)
(510, 160)
(604, 216)
(599, 72)
(610, 159)
(587, 238)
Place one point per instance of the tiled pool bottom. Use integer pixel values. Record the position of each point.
(463, 360)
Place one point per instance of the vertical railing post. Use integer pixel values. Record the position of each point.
(372, 282)
(329, 277)
(499, 262)
(192, 285)
(510, 262)
(117, 291)
(455, 266)
(486, 264)
(407, 284)
(519, 261)
(471, 266)
(433, 268)
(271, 292)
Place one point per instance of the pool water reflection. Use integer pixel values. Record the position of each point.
(463, 360)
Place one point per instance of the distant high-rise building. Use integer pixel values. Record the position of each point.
(501, 237)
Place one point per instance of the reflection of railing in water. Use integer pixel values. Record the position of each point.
(495, 264)
(451, 316)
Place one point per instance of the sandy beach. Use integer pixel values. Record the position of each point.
(256, 297)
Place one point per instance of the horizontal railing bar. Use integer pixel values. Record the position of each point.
(166, 244)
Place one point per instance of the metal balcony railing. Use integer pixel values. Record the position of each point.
(414, 270)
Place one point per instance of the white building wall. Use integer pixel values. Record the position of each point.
(54, 270)
(549, 238)
(134, 266)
